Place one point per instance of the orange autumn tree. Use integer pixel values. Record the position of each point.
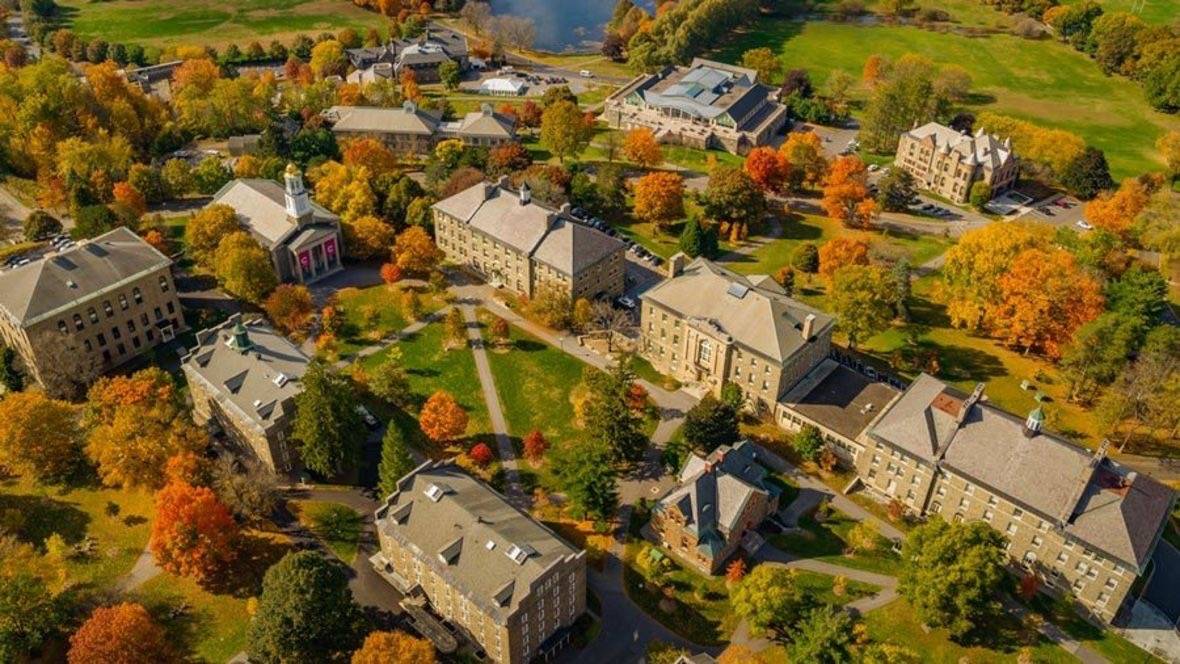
(135, 424)
(842, 251)
(394, 647)
(973, 267)
(659, 198)
(1044, 297)
(768, 168)
(804, 151)
(641, 147)
(442, 418)
(121, 634)
(126, 194)
(369, 153)
(414, 252)
(1116, 211)
(846, 193)
(194, 533)
(290, 308)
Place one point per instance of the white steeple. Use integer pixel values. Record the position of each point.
(298, 203)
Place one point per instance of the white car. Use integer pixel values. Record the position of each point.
(586, 73)
(626, 302)
(1084, 225)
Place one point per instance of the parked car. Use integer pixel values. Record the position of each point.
(366, 416)
(586, 73)
(625, 302)
(1084, 225)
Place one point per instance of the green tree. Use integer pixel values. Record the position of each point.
(731, 196)
(1087, 175)
(327, 427)
(711, 423)
(389, 381)
(448, 73)
(10, 377)
(770, 601)
(243, 267)
(862, 298)
(694, 240)
(210, 175)
(305, 612)
(29, 611)
(456, 328)
(92, 221)
(585, 471)
(564, 130)
(895, 190)
(808, 442)
(805, 258)
(40, 225)
(1099, 351)
(765, 62)
(396, 461)
(906, 95)
(981, 193)
(608, 415)
(951, 573)
(1139, 293)
(824, 636)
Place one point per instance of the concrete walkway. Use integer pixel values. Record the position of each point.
(487, 382)
(144, 570)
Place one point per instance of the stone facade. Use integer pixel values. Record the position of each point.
(106, 301)
(949, 163)
(707, 326)
(512, 586)
(527, 248)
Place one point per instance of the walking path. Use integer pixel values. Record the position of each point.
(495, 412)
(144, 570)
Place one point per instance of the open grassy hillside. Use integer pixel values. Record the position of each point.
(1041, 81)
(212, 22)
(1152, 11)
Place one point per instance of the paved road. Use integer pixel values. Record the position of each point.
(12, 211)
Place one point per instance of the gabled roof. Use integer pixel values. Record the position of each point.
(262, 209)
(715, 489)
(409, 119)
(982, 148)
(1092, 498)
(760, 318)
(262, 381)
(486, 122)
(487, 550)
(547, 235)
(33, 292)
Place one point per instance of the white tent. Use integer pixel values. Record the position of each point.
(503, 87)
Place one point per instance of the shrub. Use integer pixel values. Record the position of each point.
(482, 454)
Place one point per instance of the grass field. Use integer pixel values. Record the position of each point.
(827, 541)
(213, 22)
(1152, 11)
(374, 313)
(338, 526)
(1041, 81)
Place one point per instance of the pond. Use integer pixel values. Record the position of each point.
(562, 25)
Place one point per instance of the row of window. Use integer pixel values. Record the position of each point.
(109, 309)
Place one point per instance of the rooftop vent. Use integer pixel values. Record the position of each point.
(435, 492)
(519, 554)
(490, 546)
(738, 290)
(281, 379)
(71, 283)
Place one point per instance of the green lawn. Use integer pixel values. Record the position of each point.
(337, 526)
(119, 522)
(375, 313)
(1042, 81)
(828, 541)
(896, 623)
(1103, 641)
(1152, 11)
(432, 367)
(213, 22)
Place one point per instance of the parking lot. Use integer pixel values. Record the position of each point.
(1060, 211)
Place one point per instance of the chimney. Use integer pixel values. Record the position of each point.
(676, 264)
(485, 109)
(808, 327)
(409, 106)
(526, 194)
(564, 211)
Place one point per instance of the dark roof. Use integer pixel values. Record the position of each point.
(840, 399)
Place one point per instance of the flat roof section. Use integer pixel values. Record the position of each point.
(839, 398)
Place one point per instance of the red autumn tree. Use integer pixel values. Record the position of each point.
(1044, 297)
(1030, 583)
(415, 252)
(768, 168)
(482, 454)
(529, 115)
(127, 194)
(508, 158)
(194, 533)
(535, 446)
(736, 570)
(120, 634)
(846, 193)
(636, 397)
(841, 251)
(442, 418)
(187, 467)
(391, 273)
(1116, 211)
(159, 241)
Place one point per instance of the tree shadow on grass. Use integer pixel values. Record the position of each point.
(528, 345)
(38, 517)
(256, 553)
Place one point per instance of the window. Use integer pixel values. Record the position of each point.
(135, 341)
(78, 323)
(102, 341)
(988, 514)
(121, 348)
(123, 302)
(92, 314)
(89, 346)
(136, 295)
(1011, 528)
(116, 333)
(705, 351)
(107, 308)
(143, 319)
(163, 284)
(1017, 512)
(171, 308)
(131, 326)
(1037, 541)
(941, 490)
(159, 314)
(151, 336)
(62, 327)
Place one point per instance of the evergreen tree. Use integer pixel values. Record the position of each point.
(305, 612)
(609, 418)
(585, 471)
(1087, 175)
(10, 378)
(327, 426)
(711, 423)
(692, 238)
(396, 461)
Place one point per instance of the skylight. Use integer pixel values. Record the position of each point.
(435, 492)
(738, 290)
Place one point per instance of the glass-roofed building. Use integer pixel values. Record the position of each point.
(706, 105)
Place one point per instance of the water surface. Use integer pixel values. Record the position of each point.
(562, 25)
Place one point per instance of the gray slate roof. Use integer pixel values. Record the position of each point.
(762, 319)
(713, 490)
(1063, 484)
(409, 119)
(986, 149)
(466, 535)
(262, 382)
(33, 292)
(550, 236)
(262, 209)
